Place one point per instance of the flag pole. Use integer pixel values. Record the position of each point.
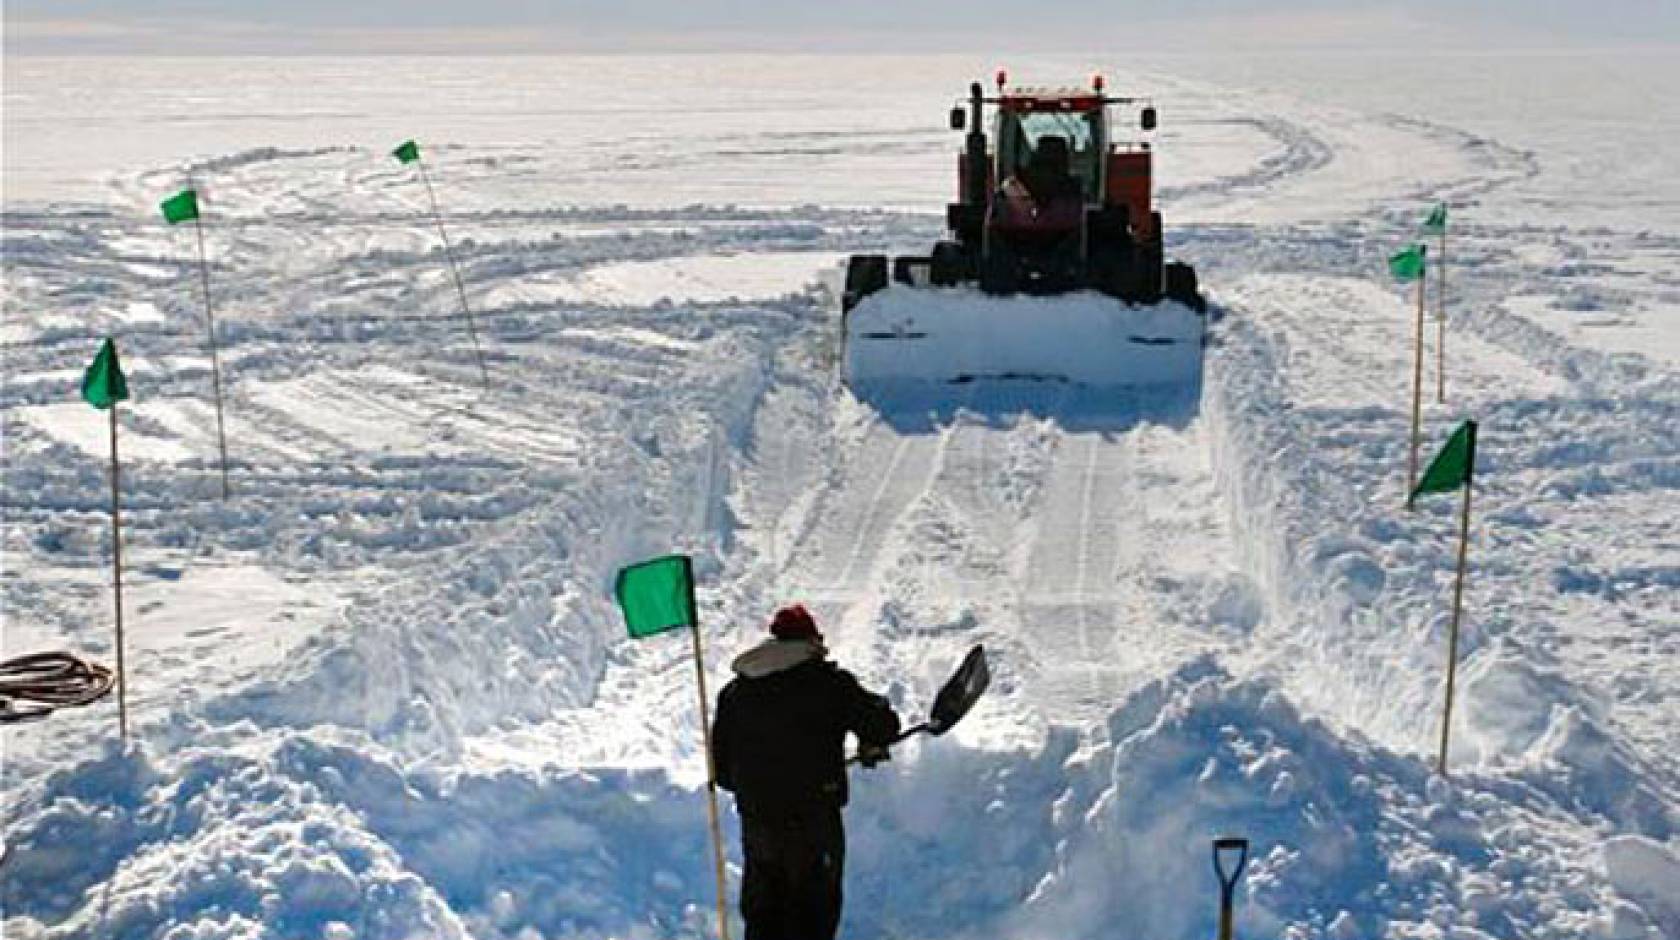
(1458, 593)
(711, 784)
(1417, 380)
(215, 353)
(455, 271)
(1441, 324)
(116, 576)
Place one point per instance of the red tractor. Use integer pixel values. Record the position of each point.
(1051, 204)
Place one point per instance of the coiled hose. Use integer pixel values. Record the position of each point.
(45, 682)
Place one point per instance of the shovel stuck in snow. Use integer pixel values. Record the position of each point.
(955, 698)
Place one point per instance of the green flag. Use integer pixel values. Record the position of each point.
(1452, 467)
(181, 207)
(657, 595)
(103, 385)
(1437, 221)
(1407, 265)
(407, 152)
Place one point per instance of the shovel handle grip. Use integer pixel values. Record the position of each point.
(1223, 845)
(913, 729)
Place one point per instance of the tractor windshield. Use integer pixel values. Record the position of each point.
(1022, 134)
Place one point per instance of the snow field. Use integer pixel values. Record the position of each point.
(382, 692)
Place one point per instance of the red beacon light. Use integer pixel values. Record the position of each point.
(1002, 77)
(1097, 83)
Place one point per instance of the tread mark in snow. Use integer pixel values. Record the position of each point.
(875, 501)
(1083, 565)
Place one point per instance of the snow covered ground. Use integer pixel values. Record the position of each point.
(382, 691)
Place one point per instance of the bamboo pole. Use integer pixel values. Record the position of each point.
(1441, 324)
(1458, 596)
(711, 786)
(116, 575)
(455, 271)
(1417, 384)
(215, 352)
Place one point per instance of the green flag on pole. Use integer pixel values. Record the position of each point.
(1452, 467)
(103, 385)
(657, 595)
(181, 207)
(407, 152)
(1407, 265)
(1437, 221)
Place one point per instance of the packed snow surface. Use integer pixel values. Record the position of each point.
(382, 692)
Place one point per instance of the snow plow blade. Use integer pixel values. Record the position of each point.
(904, 333)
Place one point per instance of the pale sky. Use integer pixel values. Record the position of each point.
(534, 26)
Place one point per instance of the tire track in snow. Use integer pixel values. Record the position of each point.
(1083, 566)
(946, 529)
(1496, 165)
(1071, 529)
(1131, 569)
(1303, 152)
(851, 528)
(867, 531)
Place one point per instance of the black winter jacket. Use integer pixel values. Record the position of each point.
(779, 739)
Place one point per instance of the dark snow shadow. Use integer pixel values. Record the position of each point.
(928, 407)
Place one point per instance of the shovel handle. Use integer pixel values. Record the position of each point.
(913, 729)
(1228, 880)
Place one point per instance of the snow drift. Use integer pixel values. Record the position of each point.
(325, 834)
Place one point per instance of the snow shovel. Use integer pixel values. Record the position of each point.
(1228, 882)
(955, 698)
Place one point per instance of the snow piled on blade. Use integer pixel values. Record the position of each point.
(908, 334)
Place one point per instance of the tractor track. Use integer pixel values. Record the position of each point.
(1032, 530)
(1302, 152)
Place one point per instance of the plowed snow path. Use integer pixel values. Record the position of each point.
(1082, 531)
(1131, 565)
(891, 472)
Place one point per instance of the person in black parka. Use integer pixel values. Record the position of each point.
(779, 745)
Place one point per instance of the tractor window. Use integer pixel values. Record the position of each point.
(1081, 132)
(1076, 128)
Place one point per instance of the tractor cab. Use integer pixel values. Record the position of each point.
(1046, 137)
(1047, 156)
(1050, 203)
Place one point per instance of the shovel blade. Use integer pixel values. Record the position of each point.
(960, 692)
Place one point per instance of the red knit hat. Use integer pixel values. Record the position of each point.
(794, 622)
